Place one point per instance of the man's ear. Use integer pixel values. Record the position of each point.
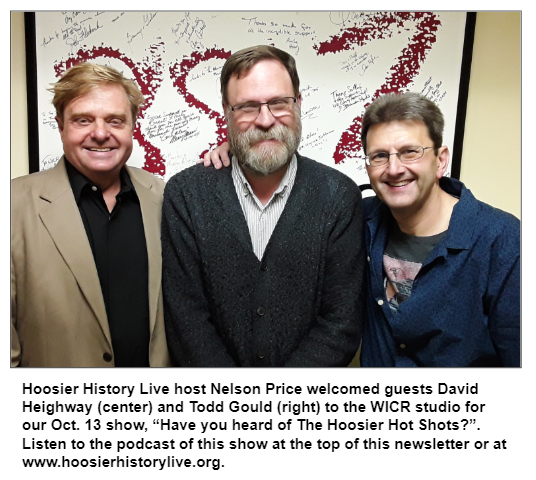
(299, 99)
(444, 158)
(59, 121)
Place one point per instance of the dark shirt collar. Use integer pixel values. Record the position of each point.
(79, 181)
(461, 224)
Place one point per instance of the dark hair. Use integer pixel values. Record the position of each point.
(404, 106)
(241, 62)
(84, 77)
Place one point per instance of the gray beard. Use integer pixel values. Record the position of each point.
(265, 159)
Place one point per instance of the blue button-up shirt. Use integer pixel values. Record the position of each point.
(464, 309)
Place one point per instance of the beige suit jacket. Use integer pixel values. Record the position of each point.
(58, 317)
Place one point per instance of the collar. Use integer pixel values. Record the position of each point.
(79, 182)
(284, 187)
(461, 225)
(462, 222)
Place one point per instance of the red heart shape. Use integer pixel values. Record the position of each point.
(409, 61)
(179, 72)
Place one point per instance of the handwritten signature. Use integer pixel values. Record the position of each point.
(76, 33)
(187, 28)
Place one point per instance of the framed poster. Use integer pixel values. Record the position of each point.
(344, 59)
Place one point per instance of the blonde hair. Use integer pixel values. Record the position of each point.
(84, 77)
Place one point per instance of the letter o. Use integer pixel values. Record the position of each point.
(54, 424)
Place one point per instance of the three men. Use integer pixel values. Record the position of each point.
(85, 238)
(262, 263)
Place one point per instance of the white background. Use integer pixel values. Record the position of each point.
(508, 393)
(323, 77)
(506, 416)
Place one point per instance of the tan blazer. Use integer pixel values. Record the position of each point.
(58, 317)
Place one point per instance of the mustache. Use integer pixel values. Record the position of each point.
(277, 132)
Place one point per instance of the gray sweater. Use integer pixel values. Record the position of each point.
(300, 306)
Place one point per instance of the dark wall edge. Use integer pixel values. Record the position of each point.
(31, 87)
(465, 76)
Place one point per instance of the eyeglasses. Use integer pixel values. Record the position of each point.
(407, 155)
(279, 107)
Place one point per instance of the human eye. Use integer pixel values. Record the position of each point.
(279, 103)
(116, 122)
(411, 153)
(378, 156)
(248, 107)
(82, 121)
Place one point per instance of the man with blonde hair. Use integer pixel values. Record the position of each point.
(85, 243)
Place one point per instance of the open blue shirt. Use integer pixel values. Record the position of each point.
(464, 309)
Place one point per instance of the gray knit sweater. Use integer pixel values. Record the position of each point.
(300, 306)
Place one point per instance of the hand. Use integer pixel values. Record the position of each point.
(218, 157)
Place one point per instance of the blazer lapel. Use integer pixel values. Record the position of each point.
(151, 211)
(62, 220)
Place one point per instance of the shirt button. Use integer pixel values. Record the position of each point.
(402, 345)
(260, 311)
(94, 188)
(380, 302)
(368, 259)
(261, 354)
(107, 357)
(264, 267)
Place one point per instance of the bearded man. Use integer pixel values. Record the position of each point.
(263, 263)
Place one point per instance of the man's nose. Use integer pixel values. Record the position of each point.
(265, 119)
(394, 165)
(100, 130)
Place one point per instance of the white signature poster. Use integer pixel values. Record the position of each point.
(345, 60)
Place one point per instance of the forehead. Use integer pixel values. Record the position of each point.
(102, 98)
(397, 134)
(266, 80)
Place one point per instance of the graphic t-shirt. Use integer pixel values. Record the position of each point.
(402, 260)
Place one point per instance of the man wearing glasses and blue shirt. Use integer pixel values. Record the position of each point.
(263, 263)
(444, 268)
(443, 274)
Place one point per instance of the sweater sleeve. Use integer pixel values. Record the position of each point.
(335, 334)
(191, 335)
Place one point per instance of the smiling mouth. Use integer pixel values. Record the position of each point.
(99, 149)
(402, 183)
